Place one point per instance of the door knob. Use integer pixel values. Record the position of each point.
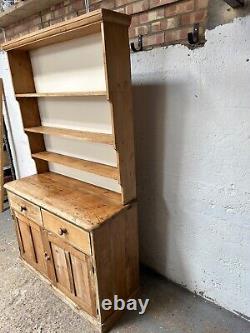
(47, 257)
(62, 231)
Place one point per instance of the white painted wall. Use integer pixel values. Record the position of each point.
(192, 112)
(193, 163)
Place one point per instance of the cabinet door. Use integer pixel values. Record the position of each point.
(71, 271)
(29, 236)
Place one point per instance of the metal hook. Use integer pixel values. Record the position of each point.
(235, 3)
(139, 42)
(193, 37)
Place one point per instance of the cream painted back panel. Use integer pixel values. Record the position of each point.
(71, 66)
(79, 113)
(90, 178)
(95, 152)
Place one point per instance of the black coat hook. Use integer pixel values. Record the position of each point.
(193, 37)
(235, 3)
(140, 47)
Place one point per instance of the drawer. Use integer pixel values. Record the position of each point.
(75, 236)
(25, 208)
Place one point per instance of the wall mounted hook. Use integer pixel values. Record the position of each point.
(139, 43)
(193, 37)
(235, 3)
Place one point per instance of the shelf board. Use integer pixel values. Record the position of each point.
(73, 134)
(23, 10)
(64, 94)
(80, 164)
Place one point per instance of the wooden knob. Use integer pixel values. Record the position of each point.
(23, 208)
(62, 231)
(47, 257)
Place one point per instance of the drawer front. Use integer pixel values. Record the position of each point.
(75, 236)
(25, 208)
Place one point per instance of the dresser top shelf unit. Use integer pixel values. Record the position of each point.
(89, 56)
(85, 205)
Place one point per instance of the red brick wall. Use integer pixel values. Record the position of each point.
(161, 22)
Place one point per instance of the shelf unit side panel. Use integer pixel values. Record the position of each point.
(119, 91)
(22, 77)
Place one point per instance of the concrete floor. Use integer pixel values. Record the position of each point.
(28, 305)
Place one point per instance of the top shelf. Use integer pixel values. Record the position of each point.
(63, 94)
(75, 28)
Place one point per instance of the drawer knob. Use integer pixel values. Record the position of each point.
(23, 208)
(47, 257)
(62, 231)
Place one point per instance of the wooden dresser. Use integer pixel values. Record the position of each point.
(76, 219)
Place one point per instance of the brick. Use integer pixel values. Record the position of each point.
(195, 17)
(157, 3)
(120, 3)
(109, 4)
(141, 30)
(120, 10)
(70, 15)
(179, 8)
(131, 33)
(54, 21)
(47, 17)
(165, 24)
(173, 36)
(77, 4)
(137, 7)
(156, 39)
(152, 15)
(201, 4)
(35, 28)
(45, 24)
(33, 20)
(134, 20)
(136, 31)
(59, 12)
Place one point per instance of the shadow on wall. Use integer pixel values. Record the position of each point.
(158, 140)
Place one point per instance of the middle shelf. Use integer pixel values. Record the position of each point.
(80, 164)
(73, 134)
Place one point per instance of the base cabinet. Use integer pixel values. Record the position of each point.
(85, 266)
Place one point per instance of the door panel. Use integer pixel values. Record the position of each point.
(30, 241)
(81, 279)
(60, 264)
(72, 273)
(27, 241)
